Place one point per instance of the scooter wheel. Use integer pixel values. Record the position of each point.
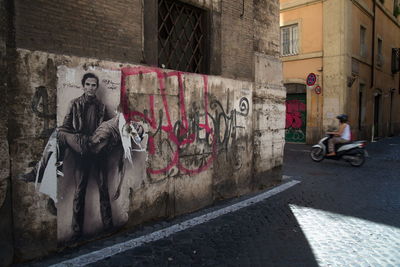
(358, 159)
(317, 154)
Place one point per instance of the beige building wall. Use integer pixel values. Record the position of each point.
(329, 45)
(309, 59)
(377, 80)
(362, 16)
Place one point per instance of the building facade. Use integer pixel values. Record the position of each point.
(186, 97)
(352, 48)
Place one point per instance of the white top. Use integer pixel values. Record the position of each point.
(346, 133)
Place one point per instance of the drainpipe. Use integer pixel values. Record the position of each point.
(373, 65)
(373, 46)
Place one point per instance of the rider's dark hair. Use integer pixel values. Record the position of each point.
(342, 118)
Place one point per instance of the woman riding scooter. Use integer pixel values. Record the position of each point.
(343, 135)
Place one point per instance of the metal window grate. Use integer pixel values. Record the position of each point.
(181, 37)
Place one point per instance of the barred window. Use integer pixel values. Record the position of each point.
(396, 8)
(182, 35)
(289, 40)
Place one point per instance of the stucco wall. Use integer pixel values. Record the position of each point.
(310, 21)
(337, 60)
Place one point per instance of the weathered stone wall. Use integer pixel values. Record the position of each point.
(33, 118)
(269, 94)
(6, 244)
(202, 143)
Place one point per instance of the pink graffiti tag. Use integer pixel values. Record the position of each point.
(293, 113)
(180, 138)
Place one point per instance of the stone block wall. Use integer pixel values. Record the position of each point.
(269, 94)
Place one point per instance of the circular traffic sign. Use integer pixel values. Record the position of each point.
(311, 79)
(318, 90)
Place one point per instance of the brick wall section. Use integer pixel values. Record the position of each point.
(99, 29)
(266, 27)
(237, 40)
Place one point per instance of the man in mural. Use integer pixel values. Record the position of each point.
(84, 116)
(73, 141)
(86, 139)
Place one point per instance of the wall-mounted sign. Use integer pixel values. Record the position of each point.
(318, 90)
(311, 79)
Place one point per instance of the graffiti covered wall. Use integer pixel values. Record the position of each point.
(126, 144)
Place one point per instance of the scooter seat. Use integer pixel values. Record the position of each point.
(337, 146)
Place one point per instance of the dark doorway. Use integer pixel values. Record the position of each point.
(390, 113)
(296, 113)
(377, 114)
(296, 116)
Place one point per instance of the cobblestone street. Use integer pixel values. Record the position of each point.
(338, 215)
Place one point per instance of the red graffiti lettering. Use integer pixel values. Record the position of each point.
(166, 135)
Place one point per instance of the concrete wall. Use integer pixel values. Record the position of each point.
(208, 137)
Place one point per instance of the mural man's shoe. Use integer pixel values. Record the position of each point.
(331, 154)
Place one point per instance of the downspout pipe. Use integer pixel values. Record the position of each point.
(373, 66)
(373, 45)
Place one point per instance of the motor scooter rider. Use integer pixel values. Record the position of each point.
(343, 135)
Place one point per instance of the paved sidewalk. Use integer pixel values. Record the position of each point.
(337, 216)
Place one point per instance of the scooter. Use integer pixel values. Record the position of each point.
(352, 152)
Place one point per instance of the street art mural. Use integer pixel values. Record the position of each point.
(295, 129)
(119, 129)
(94, 142)
(184, 140)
